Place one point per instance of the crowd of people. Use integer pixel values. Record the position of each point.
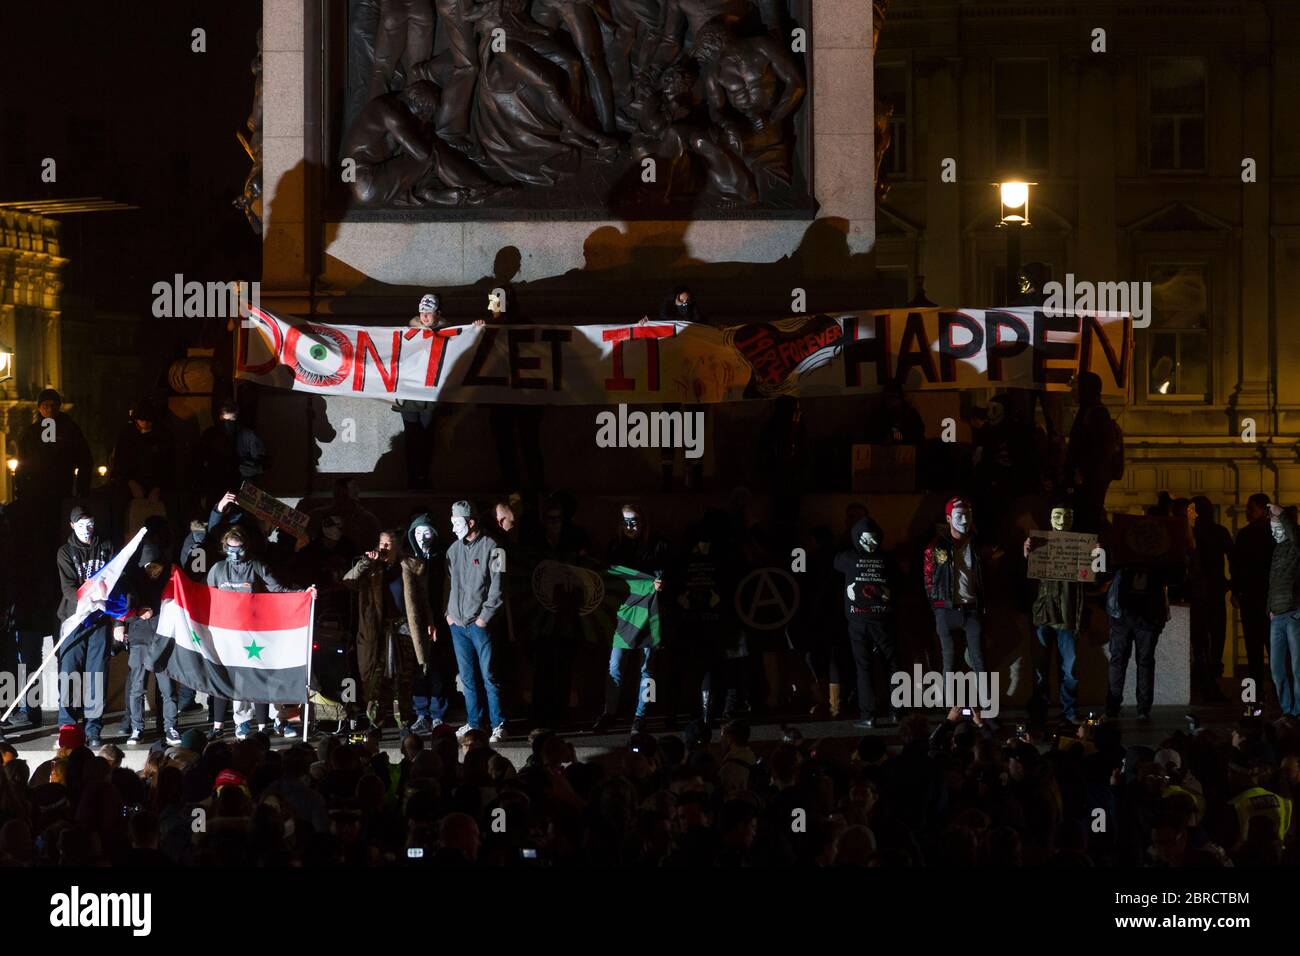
(953, 794)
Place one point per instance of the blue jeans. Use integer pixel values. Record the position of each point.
(83, 664)
(1064, 639)
(615, 686)
(1284, 658)
(474, 661)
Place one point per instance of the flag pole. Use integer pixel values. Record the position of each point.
(22, 694)
(311, 637)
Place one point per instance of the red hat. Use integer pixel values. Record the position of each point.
(958, 502)
(71, 736)
(229, 778)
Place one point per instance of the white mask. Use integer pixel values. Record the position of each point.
(84, 528)
(960, 520)
(1279, 533)
(424, 537)
(869, 542)
(460, 527)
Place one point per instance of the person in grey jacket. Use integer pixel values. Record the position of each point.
(239, 571)
(1284, 610)
(474, 596)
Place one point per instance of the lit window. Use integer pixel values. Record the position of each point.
(1178, 341)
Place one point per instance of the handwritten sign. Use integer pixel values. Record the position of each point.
(1061, 556)
(269, 508)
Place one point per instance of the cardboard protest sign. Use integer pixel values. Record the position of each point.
(262, 505)
(1061, 556)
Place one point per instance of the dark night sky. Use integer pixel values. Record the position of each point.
(113, 92)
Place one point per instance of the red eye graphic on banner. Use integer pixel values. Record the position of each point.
(322, 348)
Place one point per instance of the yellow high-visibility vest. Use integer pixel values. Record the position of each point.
(1258, 802)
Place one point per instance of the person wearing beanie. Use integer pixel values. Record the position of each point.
(869, 605)
(474, 595)
(419, 418)
(83, 661)
(954, 583)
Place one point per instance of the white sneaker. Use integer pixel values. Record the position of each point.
(498, 734)
(464, 729)
(435, 723)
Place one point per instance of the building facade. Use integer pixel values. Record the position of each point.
(1164, 152)
(31, 288)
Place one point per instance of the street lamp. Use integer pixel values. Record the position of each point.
(1013, 200)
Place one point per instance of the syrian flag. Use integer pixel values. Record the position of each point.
(103, 594)
(240, 646)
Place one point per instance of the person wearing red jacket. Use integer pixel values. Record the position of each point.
(954, 584)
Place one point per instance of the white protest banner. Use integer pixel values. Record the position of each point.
(1061, 556)
(819, 355)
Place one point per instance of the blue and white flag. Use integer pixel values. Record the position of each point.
(103, 593)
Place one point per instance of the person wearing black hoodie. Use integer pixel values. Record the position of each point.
(148, 578)
(431, 696)
(86, 653)
(869, 582)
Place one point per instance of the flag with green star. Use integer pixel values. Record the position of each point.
(237, 645)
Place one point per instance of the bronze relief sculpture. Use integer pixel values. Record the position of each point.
(590, 108)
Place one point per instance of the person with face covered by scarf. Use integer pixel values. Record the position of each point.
(1057, 617)
(232, 453)
(637, 549)
(393, 628)
(1284, 609)
(954, 583)
(240, 571)
(869, 584)
(435, 682)
(86, 652)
